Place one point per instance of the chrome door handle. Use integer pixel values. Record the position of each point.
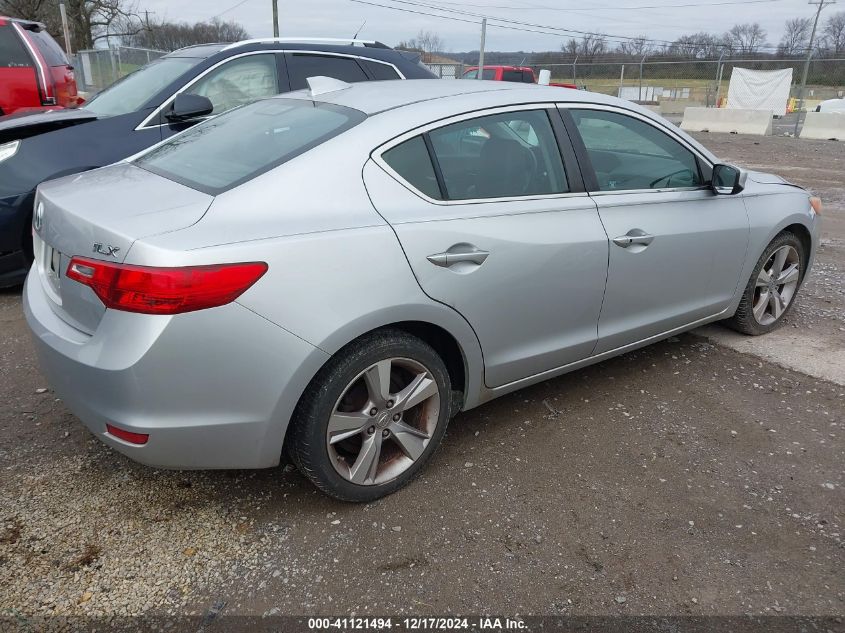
(629, 240)
(448, 259)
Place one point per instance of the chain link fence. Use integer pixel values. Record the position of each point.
(98, 69)
(675, 84)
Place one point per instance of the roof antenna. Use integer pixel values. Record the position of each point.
(360, 28)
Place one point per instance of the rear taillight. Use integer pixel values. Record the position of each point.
(152, 290)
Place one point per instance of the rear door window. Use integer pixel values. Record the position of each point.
(301, 66)
(512, 75)
(511, 154)
(49, 48)
(12, 52)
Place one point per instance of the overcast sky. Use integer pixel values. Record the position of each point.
(341, 18)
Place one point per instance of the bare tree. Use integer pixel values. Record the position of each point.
(426, 43)
(695, 45)
(745, 39)
(636, 47)
(169, 36)
(833, 33)
(796, 37)
(90, 20)
(587, 48)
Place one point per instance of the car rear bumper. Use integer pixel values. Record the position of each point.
(212, 389)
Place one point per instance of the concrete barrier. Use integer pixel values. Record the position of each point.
(733, 121)
(824, 125)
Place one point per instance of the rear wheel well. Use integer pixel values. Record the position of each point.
(444, 344)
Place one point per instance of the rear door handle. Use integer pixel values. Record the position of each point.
(629, 240)
(450, 258)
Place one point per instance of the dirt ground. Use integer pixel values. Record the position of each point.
(700, 476)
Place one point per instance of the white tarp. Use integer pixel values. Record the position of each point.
(760, 89)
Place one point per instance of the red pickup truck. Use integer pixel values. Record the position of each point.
(34, 72)
(519, 74)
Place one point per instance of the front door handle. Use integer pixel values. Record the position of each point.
(450, 257)
(633, 237)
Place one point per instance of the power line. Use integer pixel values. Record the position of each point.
(650, 6)
(232, 8)
(521, 25)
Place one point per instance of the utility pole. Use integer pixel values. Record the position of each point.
(480, 74)
(800, 101)
(65, 29)
(275, 18)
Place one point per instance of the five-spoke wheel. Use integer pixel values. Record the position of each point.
(771, 291)
(372, 416)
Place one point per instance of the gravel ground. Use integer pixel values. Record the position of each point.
(687, 478)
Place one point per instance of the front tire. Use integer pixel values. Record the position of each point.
(772, 288)
(372, 417)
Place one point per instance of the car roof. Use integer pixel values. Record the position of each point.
(27, 24)
(370, 49)
(372, 97)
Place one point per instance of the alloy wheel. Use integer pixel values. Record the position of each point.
(776, 285)
(383, 421)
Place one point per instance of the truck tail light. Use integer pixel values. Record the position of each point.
(152, 290)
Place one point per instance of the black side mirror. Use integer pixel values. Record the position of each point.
(727, 179)
(187, 106)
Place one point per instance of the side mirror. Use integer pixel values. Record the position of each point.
(727, 179)
(187, 106)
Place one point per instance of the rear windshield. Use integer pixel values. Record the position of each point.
(12, 52)
(49, 48)
(235, 147)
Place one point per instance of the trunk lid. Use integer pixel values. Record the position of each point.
(99, 215)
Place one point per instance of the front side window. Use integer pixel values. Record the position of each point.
(630, 154)
(303, 66)
(501, 155)
(133, 91)
(238, 82)
(235, 147)
(12, 52)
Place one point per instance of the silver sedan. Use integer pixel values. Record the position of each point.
(335, 273)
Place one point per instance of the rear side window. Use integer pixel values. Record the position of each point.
(489, 73)
(235, 147)
(412, 161)
(512, 75)
(12, 52)
(380, 72)
(49, 48)
(303, 66)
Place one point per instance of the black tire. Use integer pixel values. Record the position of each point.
(743, 320)
(309, 426)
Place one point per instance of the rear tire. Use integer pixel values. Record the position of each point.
(774, 282)
(372, 417)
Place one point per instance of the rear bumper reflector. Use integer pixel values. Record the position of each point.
(127, 436)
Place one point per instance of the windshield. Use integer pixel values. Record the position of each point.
(235, 147)
(134, 90)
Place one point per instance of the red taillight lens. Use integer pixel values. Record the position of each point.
(164, 290)
(127, 436)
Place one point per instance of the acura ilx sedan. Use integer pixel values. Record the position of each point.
(336, 272)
